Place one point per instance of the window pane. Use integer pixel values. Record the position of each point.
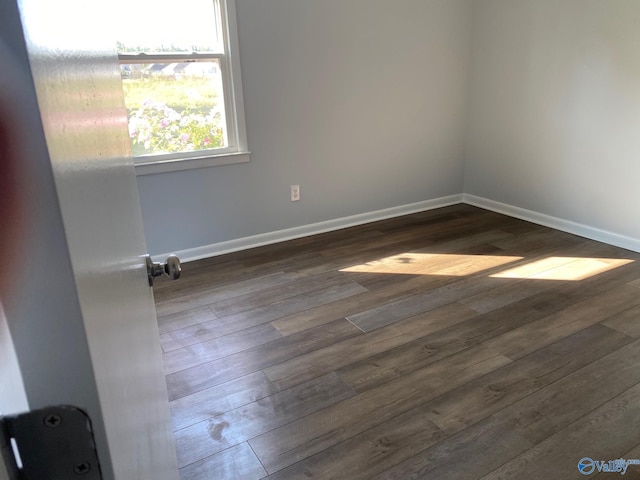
(155, 26)
(174, 107)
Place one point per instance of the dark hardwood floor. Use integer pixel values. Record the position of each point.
(450, 344)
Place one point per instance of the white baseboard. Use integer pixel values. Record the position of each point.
(269, 238)
(246, 243)
(579, 229)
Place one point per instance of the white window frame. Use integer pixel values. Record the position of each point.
(237, 150)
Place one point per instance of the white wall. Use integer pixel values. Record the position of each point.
(554, 122)
(360, 102)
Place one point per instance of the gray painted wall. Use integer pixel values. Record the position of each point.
(360, 102)
(555, 109)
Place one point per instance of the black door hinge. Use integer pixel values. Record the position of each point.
(54, 443)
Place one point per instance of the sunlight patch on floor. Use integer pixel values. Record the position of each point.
(458, 265)
(433, 264)
(563, 268)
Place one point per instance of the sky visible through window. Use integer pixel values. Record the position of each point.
(159, 25)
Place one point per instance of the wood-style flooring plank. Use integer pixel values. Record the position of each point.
(194, 278)
(210, 374)
(225, 274)
(524, 340)
(309, 435)
(210, 292)
(340, 354)
(617, 421)
(486, 301)
(250, 318)
(472, 244)
(406, 285)
(449, 292)
(363, 456)
(235, 426)
(460, 455)
(457, 336)
(633, 470)
(185, 318)
(276, 293)
(237, 462)
(202, 352)
(464, 456)
(441, 238)
(462, 287)
(538, 416)
(480, 398)
(627, 322)
(561, 403)
(215, 401)
(321, 314)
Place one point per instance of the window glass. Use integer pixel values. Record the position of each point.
(159, 26)
(174, 107)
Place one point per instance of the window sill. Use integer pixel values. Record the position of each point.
(174, 165)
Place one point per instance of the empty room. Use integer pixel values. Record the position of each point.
(386, 240)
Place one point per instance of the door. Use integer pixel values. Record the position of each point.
(79, 310)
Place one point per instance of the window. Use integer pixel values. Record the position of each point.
(181, 83)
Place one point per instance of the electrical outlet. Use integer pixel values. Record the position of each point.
(295, 193)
